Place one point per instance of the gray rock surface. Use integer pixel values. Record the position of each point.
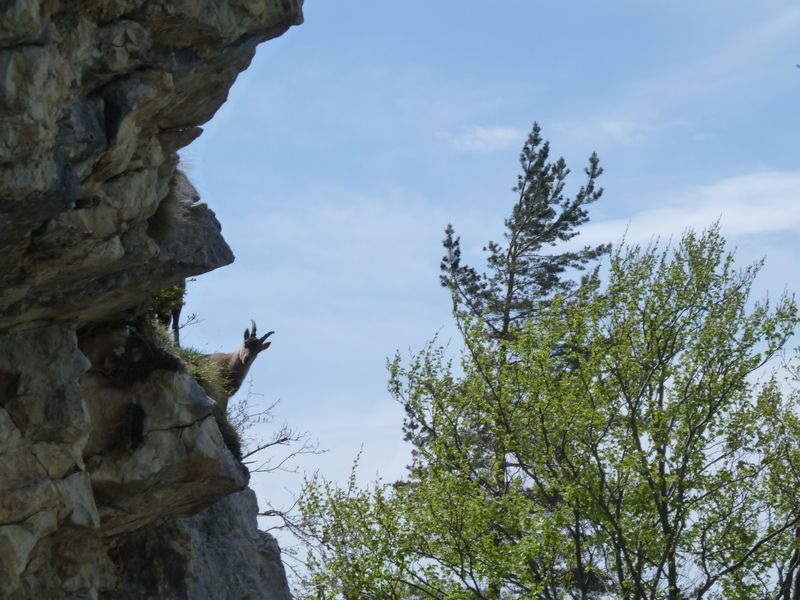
(194, 550)
(114, 479)
(96, 97)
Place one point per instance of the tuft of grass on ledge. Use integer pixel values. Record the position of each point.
(209, 376)
(197, 364)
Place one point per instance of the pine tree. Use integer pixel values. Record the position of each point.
(520, 273)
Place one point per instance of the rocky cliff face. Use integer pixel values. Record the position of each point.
(114, 479)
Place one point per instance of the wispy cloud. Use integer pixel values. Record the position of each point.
(745, 62)
(621, 130)
(757, 203)
(484, 139)
(745, 56)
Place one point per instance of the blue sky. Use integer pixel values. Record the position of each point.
(355, 138)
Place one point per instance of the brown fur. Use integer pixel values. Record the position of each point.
(235, 365)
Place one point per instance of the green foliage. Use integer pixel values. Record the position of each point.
(167, 299)
(523, 271)
(626, 442)
(230, 434)
(199, 365)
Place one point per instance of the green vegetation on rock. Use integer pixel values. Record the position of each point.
(209, 376)
(168, 299)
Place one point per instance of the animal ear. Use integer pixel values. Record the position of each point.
(265, 346)
(246, 334)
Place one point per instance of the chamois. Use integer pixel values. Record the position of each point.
(234, 365)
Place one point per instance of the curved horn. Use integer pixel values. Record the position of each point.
(253, 329)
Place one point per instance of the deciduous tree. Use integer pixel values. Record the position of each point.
(650, 450)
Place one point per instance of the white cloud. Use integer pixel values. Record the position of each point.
(628, 127)
(620, 130)
(484, 139)
(757, 203)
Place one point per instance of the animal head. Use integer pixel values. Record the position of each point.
(253, 344)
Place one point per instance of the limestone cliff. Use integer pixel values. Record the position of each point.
(114, 479)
